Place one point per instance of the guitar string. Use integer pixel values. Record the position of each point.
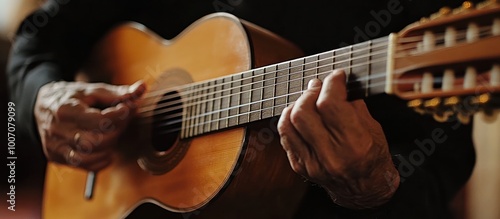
(460, 34)
(207, 90)
(316, 61)
(440, 39)
(240, 87)
(332, 52)
(226, 118)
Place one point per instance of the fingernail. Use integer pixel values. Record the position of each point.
(314, 83)
(135, 86)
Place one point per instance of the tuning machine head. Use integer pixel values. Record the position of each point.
(461, 107)
(432, 106)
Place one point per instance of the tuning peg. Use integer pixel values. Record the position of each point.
(417, 105)
(448, 80)
(429, 41)
(439, 112)
(424, 19)
(443, 116)
(472, 32)
(495, 28)
(427, 82)
(450, 36)
(486, 4)
(444, 11)
(434, 107)
(464, 118)
(470, 77)
(482, 99)
(451, 101)
(467, 5)
(433, 103)
(495, 75)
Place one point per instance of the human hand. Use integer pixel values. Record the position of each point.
(338, 145)
(79, 122)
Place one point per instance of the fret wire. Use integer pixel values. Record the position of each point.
(262, 93)
(183, 124)
(350, 60)
(220, 107)
(250, 97)
(367, 90)
(210, 108)
(274, 88)
(203, 108)
(288, 81)
(197, 111)
(239, 103)
(229, 100)
(190, 116)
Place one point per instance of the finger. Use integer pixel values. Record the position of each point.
(93, 161)
(336, 83)
(305, 118)
(70, 109)
(111, 119)
(296, 149)
(95, 141)
(110, 95)
(56, 150)
(338, 114)
(342, 122)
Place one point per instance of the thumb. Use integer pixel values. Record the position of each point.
(108, 95)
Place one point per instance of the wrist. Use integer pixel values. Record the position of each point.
(367, 192)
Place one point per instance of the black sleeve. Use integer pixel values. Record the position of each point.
(434, 161)
(50, 45)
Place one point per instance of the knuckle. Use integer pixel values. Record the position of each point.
(67, 108)
(296, 164)
(324, 105)
(297, 167)
(331, 168)
(297, 116)
(283, 128)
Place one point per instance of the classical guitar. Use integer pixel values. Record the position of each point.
(203, 144)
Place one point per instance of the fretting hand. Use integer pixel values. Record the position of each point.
(79, 122)
(338, 145)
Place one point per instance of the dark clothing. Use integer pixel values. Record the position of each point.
(434, 159)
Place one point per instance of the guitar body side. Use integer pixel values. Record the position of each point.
(235, 173)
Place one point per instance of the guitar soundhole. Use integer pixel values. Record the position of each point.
(167, 121)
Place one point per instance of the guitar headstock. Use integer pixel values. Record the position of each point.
(449, 64)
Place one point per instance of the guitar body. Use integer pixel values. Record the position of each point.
(234, 173)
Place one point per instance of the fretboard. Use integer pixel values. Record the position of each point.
(264, 92)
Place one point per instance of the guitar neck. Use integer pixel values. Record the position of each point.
(264, 92)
